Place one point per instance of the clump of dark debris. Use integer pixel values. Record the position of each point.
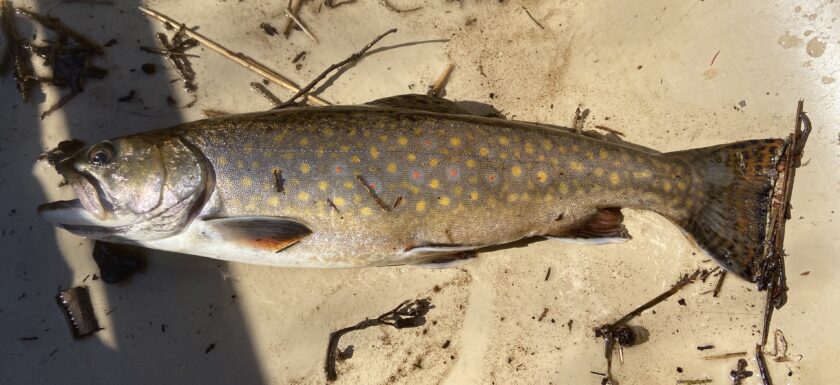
(117, 262)
(79, 312)
(68, 55)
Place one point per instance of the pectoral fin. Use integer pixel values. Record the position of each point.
(268, 233)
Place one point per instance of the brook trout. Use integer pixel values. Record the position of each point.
(403, 180)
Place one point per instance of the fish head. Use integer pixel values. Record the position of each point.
(130, 189)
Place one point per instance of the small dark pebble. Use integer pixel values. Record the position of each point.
(163, 328)
(705, 347)
(679, 369)
(111, 43)
(445, 344)
(210, 347)
(148, 68)
(127, 98)
(492, 95)
(681, 301)
(268, 29)
(170, 101)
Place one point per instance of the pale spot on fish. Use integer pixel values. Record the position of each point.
(470, 163)
(614, 178)
(349, 185)
(374, 152)
(547, 145)
(323, 185)
(504, 141)
(303, 141)
(529, 148)
(484, 151)
(339, 201)
(303, 195)
(304, 168)
(590, 155)
(604, 154)
(392, 167)
(576, 166)
(355, 159)
(666, 185)
(274, 201)
(474, 195)
(434, 162)
(516, 170)
(443, 201)
(420, 206)
(411, 157)
(434, 183)
(542, 176)
(366, 211)
(641, 174)
(513, 197)
(681, 185)
(344, 148)
(222, 161)
(457, 190)
(598, 172)
(402, 141)
(247, 182)
(455, 142)
(564, 188)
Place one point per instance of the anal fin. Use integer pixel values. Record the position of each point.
(605, 226)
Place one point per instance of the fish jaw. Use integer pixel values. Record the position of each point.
(73, 213)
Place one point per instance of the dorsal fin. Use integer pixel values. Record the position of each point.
(271, 233)
(420, 103)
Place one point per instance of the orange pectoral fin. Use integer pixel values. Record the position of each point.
(265, 233)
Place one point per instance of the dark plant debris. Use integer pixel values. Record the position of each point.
(268, 29)
(78, 310)
(127, 98)
(209, 348)
(261, 89)
(408, 314)
(705, 347)
(148, 68)
(741, 373)
(391, 7)
(117, 262)
(175, 51)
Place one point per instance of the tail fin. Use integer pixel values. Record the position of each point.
(738, 180)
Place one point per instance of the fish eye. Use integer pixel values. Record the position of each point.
(101, 154)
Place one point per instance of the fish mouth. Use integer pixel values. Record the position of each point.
(89, 209)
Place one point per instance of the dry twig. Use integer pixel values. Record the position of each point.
(239, 58)
(440, 84)
(300, 24)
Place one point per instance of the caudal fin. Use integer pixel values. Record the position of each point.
(738, 179)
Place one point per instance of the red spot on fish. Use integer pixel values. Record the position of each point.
(339, 169)
(491, 178)
(453, 172)
(416, 175)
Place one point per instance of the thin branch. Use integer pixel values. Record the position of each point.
(300, 24)
(532, 18)
(391, 7)
(239, 58)
(264, 92)
(356, 56)
(440, 84)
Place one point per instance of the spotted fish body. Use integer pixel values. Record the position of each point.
(388, 184)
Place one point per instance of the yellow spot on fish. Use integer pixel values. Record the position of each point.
(374, 152)
(355, 159)
(434, 183)
(411, 157)
(303, 195)
(457, 190)
(564, 188)
(547, 145)
(641, 174)
(274, 201)
(577, 166)
(484, 151)
(455, 142)
(666, 185)
(504, 141)
(470, 163)
(443, 201)
(603, 154)
(392, 167)
(420, 206)
(516, 171)
(304, 141)
(304, 168)
(383, 138)
(542, 176)
(323, 185)
(414, 190)
(402, 141)
(339, 201)
(590, 155)
(474, 195)
(434, 162)
(344, 148)
(239, 164)
(222, 161)
(349, 185)
(357, 198)
(614, 178)
(327, 131)
(513, 197)
(529, 148)
(473, 179)
(503, 155)
(598, 171)
(681, 185)
(247, 182)
(366, 211)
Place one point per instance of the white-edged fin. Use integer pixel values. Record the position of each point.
(439, 256)
(589, 241)
(269, 233)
